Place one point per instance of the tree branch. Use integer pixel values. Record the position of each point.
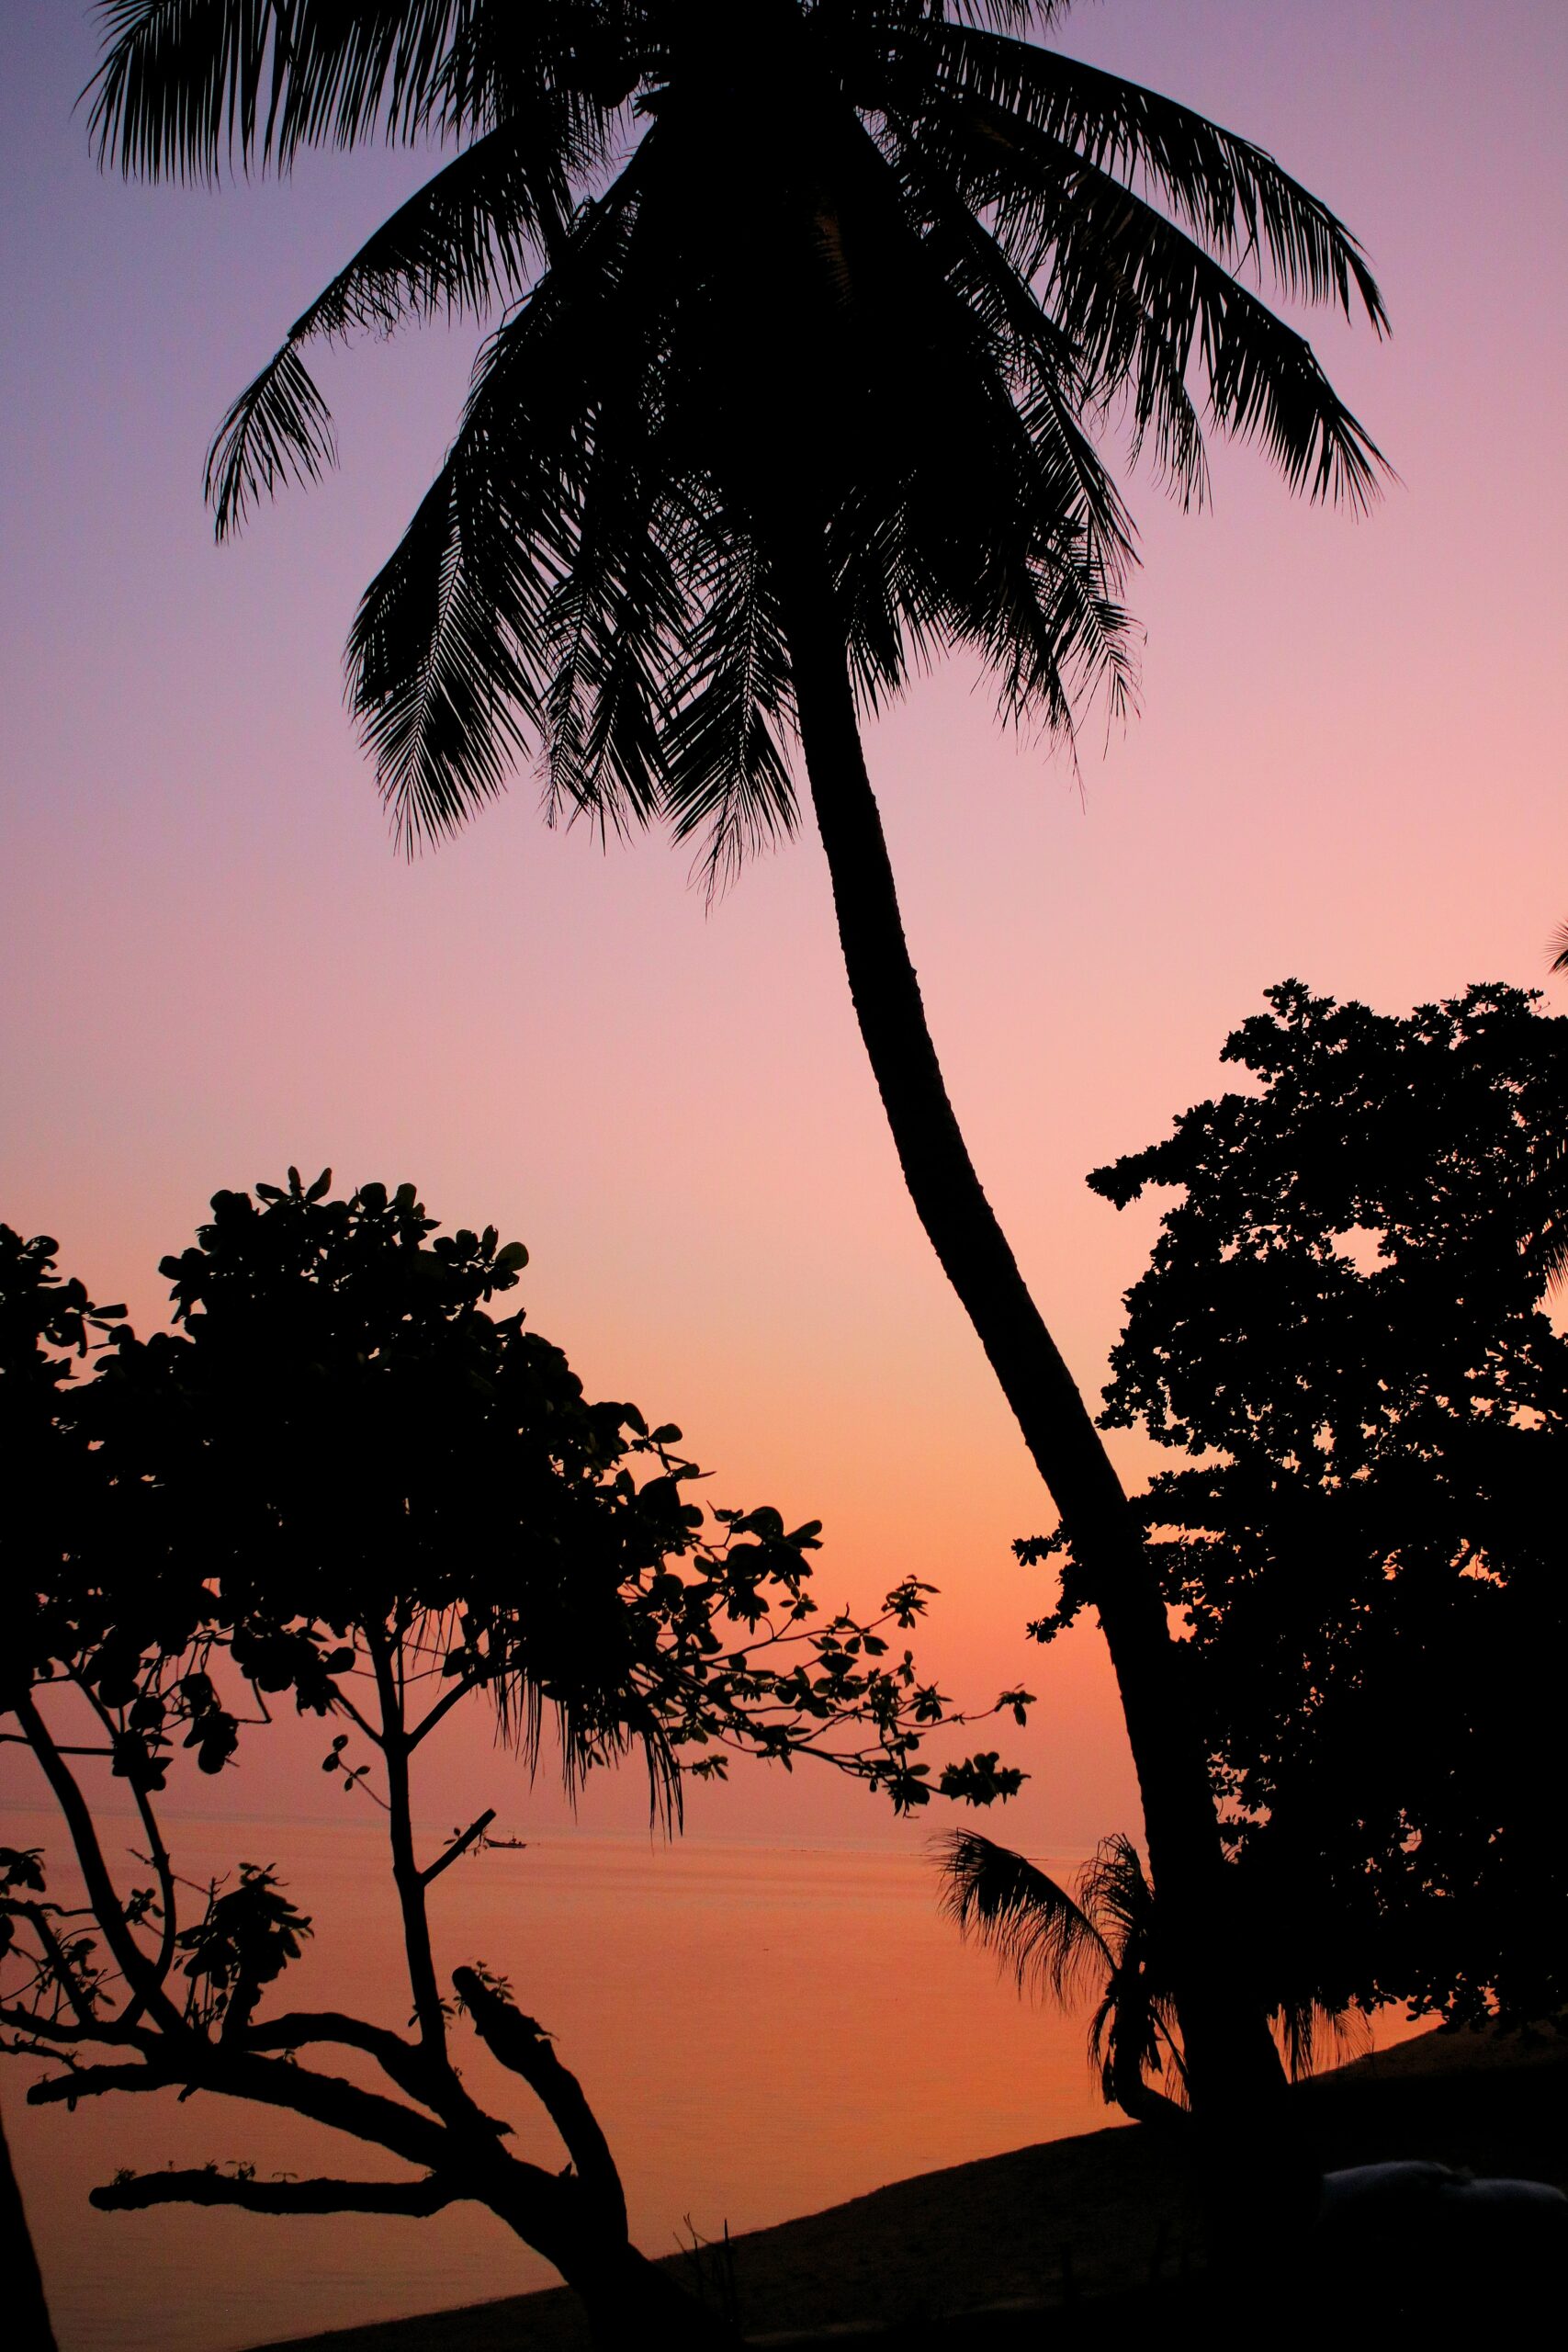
(208, 2188)
(404, 2063)
(83, 2027)
(326, 2098)
(522, 2045)
(458, 1846)
(108, 1908)
(158, 1852)
(447, 1700)
(87, 2082)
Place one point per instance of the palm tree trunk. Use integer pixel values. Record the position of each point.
(1231, 2058)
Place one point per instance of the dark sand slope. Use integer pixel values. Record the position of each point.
(1072, 2219)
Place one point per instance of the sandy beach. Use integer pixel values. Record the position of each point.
(989, 2248)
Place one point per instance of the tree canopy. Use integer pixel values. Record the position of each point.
(342, 1480)
(1343, 1325)
(855, 272)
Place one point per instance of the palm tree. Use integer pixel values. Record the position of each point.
(800, 330)
(1105, 1938)
(1098, 1939)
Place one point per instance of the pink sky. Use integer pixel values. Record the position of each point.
(1347, 768)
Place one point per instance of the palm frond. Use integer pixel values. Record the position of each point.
(460, 631)
(1543, 1217)
(729, 779)
(1229, 192)
(444, 697)
(1046, 1940)
(465, 240)
(278, 430)
(1306, 2024)
(188, 86)
(1145, 302)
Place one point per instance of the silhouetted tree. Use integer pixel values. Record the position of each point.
(343, 1482)
(1342, 1324)
(808, 305)
(1104, 1939)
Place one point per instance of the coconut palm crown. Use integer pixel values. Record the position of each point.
(820, 303)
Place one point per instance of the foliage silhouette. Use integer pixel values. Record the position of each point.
(806, 327)
(1342, 1325)
(1103, 1938)
(343, 1482)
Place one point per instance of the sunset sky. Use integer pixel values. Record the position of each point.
(1346, 767)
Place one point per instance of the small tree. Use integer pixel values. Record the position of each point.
(1104, 1939)
(341, 1481)
(1342, 1324)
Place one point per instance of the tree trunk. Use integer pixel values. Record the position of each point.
(1232, 2063)
(631, 2301)
(26, 2308)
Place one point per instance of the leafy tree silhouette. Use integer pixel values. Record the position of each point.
(806, 319)
(1342, 1326)
(343, 1481)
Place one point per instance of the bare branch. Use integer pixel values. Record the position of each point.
(193, 2064)
(210, 2187)
(448, 1698)
(458, 1846)
(88, 2082)
(21, 1739)
(522, 2045)
(404, 2063)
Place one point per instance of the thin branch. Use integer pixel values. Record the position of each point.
(21, 1739)
(458, 1846)
(347, 1706)
(82, 2027)
(208, 2188)
(405, 1870)
(159, 1852)
(460, 1689)
(86, 2024)
(107, 1906)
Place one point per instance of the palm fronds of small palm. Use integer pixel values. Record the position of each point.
(1560, 942)
(1045, 1939)
(1104, 1934)
(1061, 1944)
(1544, 1205)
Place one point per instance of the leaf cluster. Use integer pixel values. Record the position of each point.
(340, 1444)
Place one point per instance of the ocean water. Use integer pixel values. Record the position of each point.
(762, 2031)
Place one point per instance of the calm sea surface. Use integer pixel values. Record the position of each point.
(762, 2031)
